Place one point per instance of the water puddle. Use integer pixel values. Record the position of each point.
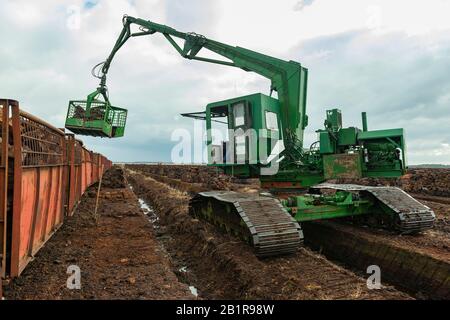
(183, 269)
(193, 290)
(148, 211)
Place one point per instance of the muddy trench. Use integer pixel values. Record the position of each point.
(195, 263)
(417, 265)
(222, 267)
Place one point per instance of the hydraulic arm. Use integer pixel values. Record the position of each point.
(288, 78)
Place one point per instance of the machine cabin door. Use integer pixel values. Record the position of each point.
(242, 124)
(273, 137)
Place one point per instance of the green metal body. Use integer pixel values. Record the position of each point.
(361, 205)
(321, 207)
(266, 132)
(354, 153)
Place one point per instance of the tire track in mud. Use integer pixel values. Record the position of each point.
(225, 268)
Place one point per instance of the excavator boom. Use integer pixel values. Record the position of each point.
(288, 78)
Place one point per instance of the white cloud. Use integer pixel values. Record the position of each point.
(361, 55)
(276, 25)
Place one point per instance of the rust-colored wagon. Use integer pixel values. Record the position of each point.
(43, 174)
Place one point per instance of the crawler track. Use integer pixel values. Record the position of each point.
(411, 215)
(260, 220)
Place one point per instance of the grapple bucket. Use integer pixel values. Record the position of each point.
(96, 118)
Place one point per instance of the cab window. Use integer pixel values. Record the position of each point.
(271, 121)
(239, 114)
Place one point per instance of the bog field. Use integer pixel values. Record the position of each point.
(144, 244)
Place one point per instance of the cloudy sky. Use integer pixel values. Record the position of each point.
(389, 58)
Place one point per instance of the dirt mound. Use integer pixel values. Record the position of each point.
(195, 178)
(114, 178)
(434, 182)
(212, 178)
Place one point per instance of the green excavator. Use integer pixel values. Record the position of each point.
(264, 140)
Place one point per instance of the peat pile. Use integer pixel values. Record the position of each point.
(212, 178)
(114, 178)
(433, 182)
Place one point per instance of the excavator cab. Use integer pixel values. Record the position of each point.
(95, 117)
(243, 134)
